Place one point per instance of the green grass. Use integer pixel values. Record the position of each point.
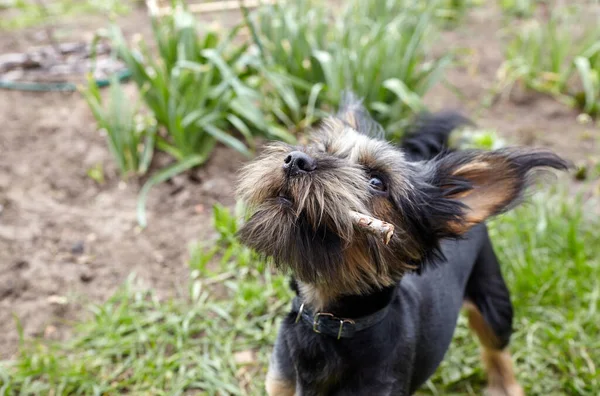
(28, 13)
(559, 57)
(216, 340)
(518, 8)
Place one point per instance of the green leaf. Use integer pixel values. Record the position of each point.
(228, 140)
(160, 177)
(243, 129)
(404, 94)
(589, 81)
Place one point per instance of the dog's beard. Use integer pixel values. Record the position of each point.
(303, 223)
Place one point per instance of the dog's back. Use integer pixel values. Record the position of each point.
(430, 133)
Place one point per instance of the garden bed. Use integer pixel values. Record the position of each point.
(67, 240)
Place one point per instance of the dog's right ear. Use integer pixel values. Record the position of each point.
(484, 184)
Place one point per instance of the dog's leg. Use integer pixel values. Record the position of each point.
(276, 385)
(490, 316)
(281, 377)
(497, 361)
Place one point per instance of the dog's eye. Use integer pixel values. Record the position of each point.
(376, 184)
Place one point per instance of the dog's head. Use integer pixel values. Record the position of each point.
(300, 199)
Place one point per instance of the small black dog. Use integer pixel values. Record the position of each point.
(372, 318)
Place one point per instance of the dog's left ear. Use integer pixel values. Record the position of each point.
(353, 112)
(486, 183)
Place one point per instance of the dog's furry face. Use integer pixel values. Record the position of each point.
(301, 218)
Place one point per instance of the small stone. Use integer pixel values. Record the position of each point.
(49, 331)
(244, 357)
(584, 119)
(86, 276)
(84, 259)
(78, 248)
(58, 300)
(21, 265)
(581, 173)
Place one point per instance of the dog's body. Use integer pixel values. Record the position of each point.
(397, 355)
(371, 318)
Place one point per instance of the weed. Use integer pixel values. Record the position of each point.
(540, 56)
(197, 92)
(382, 60)
(96, 173)
(130, 135)
(482, 139)
(518, 8)
(551, 58)
(215, 340)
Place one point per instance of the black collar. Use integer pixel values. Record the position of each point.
(328, 323)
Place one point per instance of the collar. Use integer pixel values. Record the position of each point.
(331, 325)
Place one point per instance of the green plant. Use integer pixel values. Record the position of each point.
(26, 13)
(96, 173)
(483, 139)
(130, 135)
(588, 74)
(518, 8)
(446, 12)
(550, 58)
(196, 90)
(217, 339)
(540, 56)
(384, 61)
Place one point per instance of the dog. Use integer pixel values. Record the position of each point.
(371, 318)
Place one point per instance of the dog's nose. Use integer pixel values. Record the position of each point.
(298, 162)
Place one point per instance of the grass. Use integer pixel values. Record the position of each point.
(553, 58)
(216, 340)
(518, 8)
(28, 13)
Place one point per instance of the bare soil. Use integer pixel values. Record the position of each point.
(66, 241)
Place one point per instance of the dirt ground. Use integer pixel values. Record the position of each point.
(66, 241)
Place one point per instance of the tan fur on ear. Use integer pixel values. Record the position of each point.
(495, 185)
(487, 182)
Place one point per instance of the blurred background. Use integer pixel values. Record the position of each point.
(122, 126)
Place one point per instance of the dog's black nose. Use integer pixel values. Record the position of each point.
(298, 162)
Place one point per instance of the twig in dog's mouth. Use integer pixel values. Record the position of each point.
(372, 225)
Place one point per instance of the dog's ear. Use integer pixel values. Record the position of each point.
(486, 183)
(353, 112)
